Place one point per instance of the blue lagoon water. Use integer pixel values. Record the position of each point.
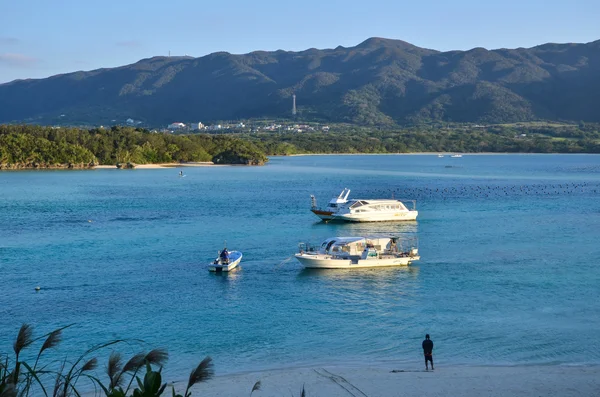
(509, 270)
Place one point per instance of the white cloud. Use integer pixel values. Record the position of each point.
(129, 43)
(9, 40)
(17, 60)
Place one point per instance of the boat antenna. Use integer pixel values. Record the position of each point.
(225, 243)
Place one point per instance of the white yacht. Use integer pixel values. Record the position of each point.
(357, 252)
(363, 210)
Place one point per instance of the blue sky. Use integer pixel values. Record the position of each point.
(40, 38)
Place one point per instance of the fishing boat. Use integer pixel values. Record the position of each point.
(363, 210)
(358, 252)
(226, 261)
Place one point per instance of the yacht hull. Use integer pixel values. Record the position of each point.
(378, 217)
(316, 261)
(324, 215)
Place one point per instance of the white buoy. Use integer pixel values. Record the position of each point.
(38, 288)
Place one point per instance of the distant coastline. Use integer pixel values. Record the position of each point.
(448, 154)
(24, 167)
(39, 147)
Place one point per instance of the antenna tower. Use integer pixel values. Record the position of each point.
(294, 105)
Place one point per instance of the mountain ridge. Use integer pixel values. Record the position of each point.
(377, 82)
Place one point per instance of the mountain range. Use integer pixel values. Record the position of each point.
(378, 82)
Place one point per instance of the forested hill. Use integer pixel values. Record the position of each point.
(379, 81)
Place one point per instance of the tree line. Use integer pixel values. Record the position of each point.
(423, 139)
(38, 146)
(33, 146)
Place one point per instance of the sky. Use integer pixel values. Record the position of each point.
(41, 38)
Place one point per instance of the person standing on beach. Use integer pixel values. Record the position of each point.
(428, 351)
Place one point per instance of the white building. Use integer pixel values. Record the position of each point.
(176, 126)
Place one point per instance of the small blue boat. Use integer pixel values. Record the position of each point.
(226, 261)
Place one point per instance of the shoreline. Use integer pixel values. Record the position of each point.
(114, 166)
(407, 380)
(447, 154)
(211, 164)
(162, 165)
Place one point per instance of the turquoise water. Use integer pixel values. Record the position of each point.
(509, 270)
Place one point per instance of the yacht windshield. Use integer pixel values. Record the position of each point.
(358, 204)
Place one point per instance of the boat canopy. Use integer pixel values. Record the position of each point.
(342, 240)
(341, 199)
(336, 244)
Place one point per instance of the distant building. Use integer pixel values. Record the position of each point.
(176, 126)
(200, 126)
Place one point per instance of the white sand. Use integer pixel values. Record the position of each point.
(166, 165)
(466, 381)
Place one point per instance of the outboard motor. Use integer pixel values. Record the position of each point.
(313, 202)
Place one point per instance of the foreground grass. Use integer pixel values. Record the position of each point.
(139, 376)
(19, 378)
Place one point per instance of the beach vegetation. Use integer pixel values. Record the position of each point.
(25, 374)
(32, 146)
(256, 387)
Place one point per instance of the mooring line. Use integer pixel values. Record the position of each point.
(283, 262)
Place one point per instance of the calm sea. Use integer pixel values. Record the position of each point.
(509, 270)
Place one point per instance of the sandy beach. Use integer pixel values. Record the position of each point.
(166, 165)
(469, 381)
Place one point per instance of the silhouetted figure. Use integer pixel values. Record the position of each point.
(428, 351)
(225, 256)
